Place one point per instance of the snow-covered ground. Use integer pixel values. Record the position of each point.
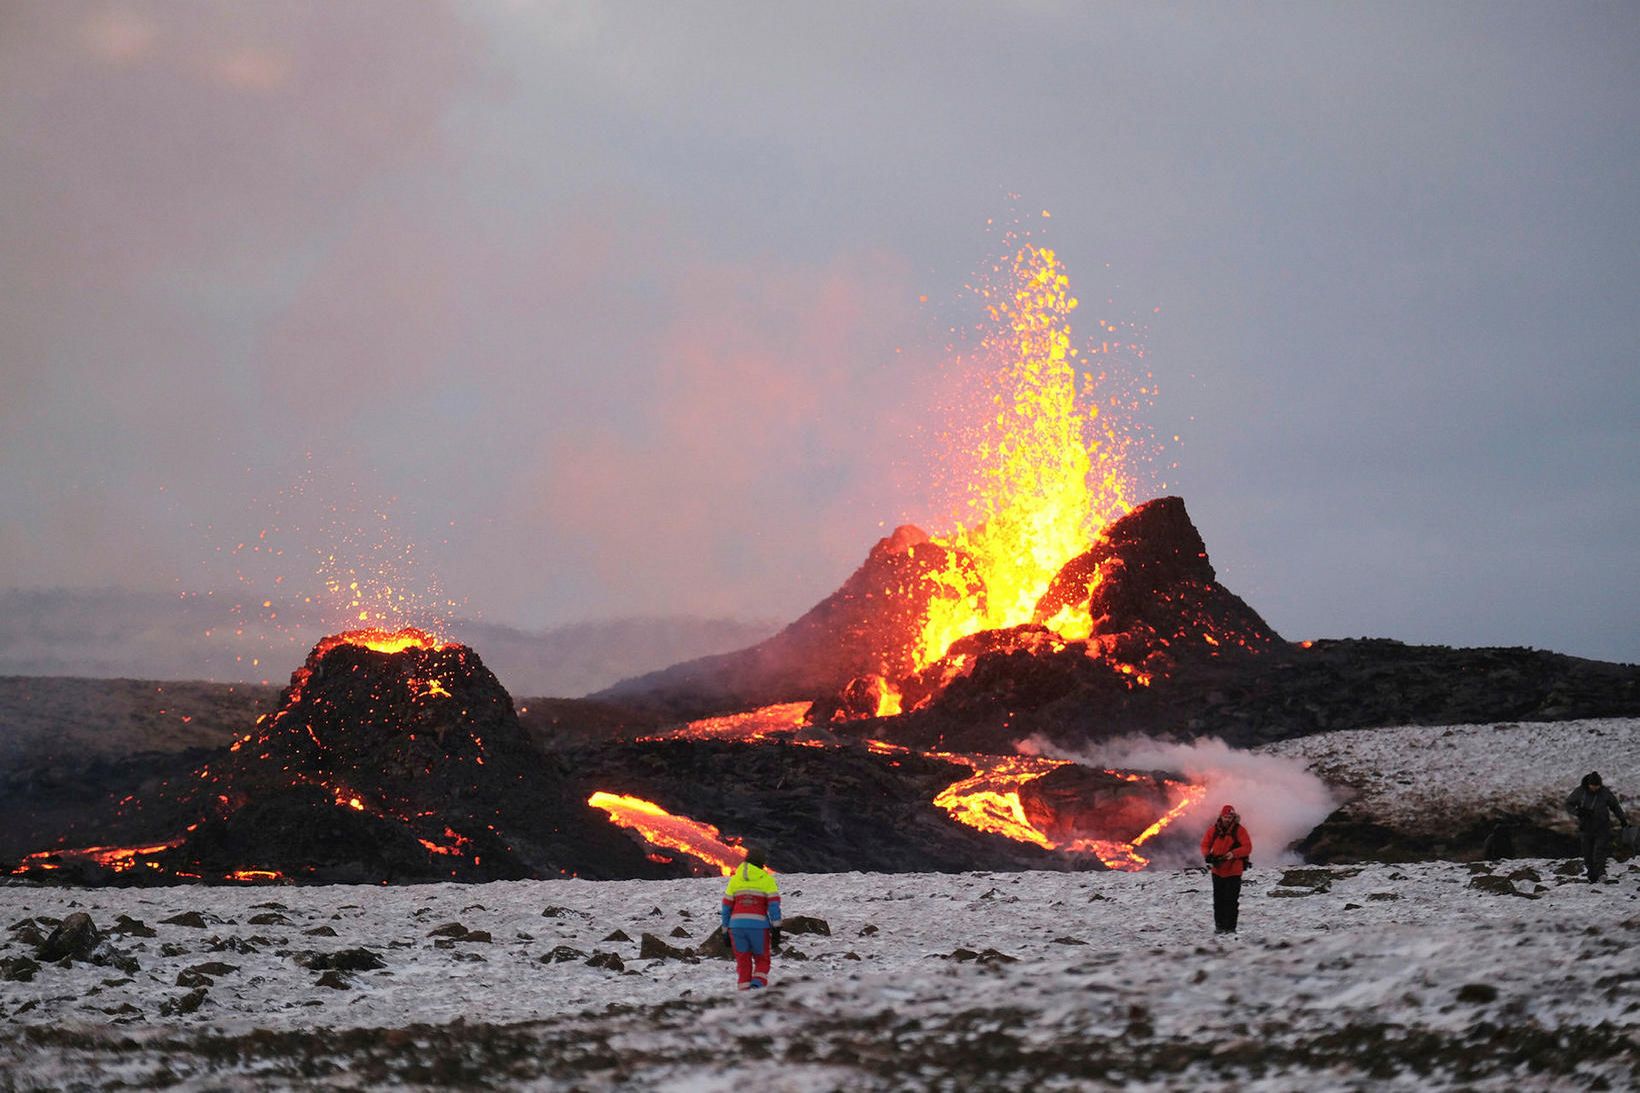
(1407, 976)
(1417, 778)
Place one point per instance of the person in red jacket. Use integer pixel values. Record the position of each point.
(1226, 846)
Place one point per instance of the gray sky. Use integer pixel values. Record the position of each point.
(615, 307)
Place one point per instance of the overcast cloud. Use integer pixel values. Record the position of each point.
(615, 307)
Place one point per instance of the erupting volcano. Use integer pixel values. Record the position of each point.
(880, 731)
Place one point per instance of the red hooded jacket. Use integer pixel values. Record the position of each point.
(1232, 848)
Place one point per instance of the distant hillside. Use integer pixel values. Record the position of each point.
(114, 634)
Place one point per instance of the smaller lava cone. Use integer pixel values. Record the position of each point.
(392, 756)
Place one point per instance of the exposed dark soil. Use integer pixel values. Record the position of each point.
(981, 1048)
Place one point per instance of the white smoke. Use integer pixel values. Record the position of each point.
(1279, 799)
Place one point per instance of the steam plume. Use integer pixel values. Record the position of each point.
(1279, 799)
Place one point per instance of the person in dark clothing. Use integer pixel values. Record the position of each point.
(1593, 805)
(1499, 845)
(1226, 848)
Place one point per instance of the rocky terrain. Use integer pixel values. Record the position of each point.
(1402, 977)
(1413, 792)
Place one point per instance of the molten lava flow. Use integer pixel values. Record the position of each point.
(1049, 475)
(753, 725)
(119, 859)
(1126, 856)
(660, 828)
(989, 801)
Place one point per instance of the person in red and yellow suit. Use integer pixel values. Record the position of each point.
(1227, 846)
(751, 913)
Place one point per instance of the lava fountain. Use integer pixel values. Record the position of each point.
(1046, 473)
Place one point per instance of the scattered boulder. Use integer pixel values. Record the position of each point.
(1497, 886)
(805, 924)
(562, 954)
(618, 935)
(449, 929)
(984, 956)
(232, 944)
(651, 947)
(191, 919)
(268, 918)
(1306, 878)
(716, 946)
(342, 960)
(606, 960)
(320, 931)
(335, 980)
(125, 924)
(187, 1003)
(18, 969)
(679, 931)
(1477, 992)
(76, 937)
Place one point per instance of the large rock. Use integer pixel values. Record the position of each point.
(76, 937)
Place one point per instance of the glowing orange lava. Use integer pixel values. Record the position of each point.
(660, 828)
(753, 725)
(383, 641)
(119, 859)
(989, 801)
(1048, 473)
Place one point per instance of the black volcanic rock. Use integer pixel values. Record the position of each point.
(1287, 691)
(1154, 592)
(869, 626)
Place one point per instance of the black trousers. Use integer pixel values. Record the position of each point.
(1596, 845)
(1226, 901)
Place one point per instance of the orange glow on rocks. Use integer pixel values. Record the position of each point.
(989, 801)
(119, 859)
(660, 828)
(748, 727)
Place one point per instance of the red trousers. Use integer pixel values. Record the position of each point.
(751, 955)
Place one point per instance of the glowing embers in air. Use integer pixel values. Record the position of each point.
(1047, 471)
(660, 828)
